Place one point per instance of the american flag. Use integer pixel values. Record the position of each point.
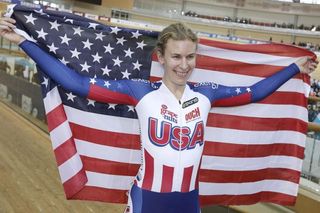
(252, 153)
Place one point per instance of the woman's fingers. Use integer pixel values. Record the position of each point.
(7, 23)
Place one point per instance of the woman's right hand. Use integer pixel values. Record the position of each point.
(7, 32)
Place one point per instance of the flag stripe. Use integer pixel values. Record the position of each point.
(109, 167)
(253, 137)
(75, 184)
(70, 168)
(60, 134)
(110, 153)
(274, 49)
(108, 138)
(219, 176)
(249, 164)
(65, 151)
(56, 117)
(108, 181)
(279, 186)
(52, 100)
(264, 196)
(256, 124)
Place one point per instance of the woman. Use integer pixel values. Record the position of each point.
(172, 130)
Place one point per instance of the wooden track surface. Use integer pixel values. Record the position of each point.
(29, 179)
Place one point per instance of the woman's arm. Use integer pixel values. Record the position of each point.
(233, 96)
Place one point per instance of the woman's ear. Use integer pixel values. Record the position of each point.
(160, 57)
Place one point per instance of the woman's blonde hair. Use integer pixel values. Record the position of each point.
(176, 31)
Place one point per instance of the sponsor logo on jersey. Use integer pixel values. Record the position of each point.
(167, 114)
(180, 138)
(193, 115)
(190, 102)
(213, 85)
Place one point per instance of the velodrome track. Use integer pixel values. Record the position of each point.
(29, 179)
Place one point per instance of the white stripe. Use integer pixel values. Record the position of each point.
(264, 111)
(234, 136)
(109, 181)
(108, 152)
(246, 57)
(60, 134)
(52, 100)
(279, 186)
(157, 175)
(70, 168)
(249, 164)
(103, 122)
(230, 79)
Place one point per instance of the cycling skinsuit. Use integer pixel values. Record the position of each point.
(172, 131)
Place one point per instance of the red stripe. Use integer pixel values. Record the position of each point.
(290, 98)
(273, 197)
(218, 176)
(56, 117)
(149, 171)
(121, 140)
(102, 194)
(271, 49)
(186, 180)
(109, 167)
(246, 150)
(256, 124)
(75, 184)
(167, 178)
(107, 96)
(65, 151)
(234, 101)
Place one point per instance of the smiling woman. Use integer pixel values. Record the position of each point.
(172, 114)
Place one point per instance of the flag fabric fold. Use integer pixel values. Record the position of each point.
(252, 153)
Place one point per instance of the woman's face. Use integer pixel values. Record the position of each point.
(178, 60)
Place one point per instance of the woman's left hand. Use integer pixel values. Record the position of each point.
(307, 65)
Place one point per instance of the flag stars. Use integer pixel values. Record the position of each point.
(106, 71)
(68, 20)
(45, 82)
(93, 25)
(77, 31)
(75, 53)
(115, 30)
(85, 67)
(117, 61)
(41, 34)
(121, 40)
(64, 61)
(65, 39)
(126, 74)
(87, 44)
(30, 19)
(96, 57)
(99, 36)
(136, 34)
(137, 65)
(54, 25)
(108, 49)
(248, 89)
(141, 45)
(128, 53)
(90, 102)
(238, 90)
(53, 48)
(70, 96)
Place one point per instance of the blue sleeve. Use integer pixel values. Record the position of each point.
(220, 95)
(112, 91)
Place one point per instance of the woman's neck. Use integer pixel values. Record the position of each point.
(176, 90)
